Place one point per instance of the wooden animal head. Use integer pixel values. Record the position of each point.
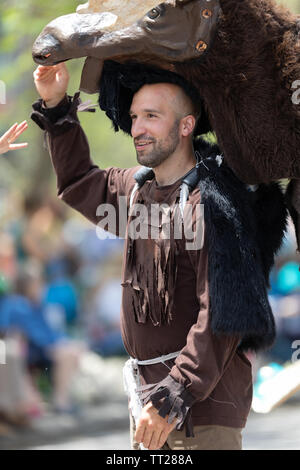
(172, 31)
(247, 81)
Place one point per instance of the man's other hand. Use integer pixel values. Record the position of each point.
(51, 83)
(153, 430)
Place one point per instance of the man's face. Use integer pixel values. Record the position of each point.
(155, 123)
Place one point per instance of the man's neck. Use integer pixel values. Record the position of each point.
(174, 168)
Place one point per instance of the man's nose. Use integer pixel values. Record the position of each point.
(138, 128)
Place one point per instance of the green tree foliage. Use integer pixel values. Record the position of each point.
(20, 24)
(293, 5)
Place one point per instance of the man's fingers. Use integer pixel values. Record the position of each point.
(44, 76)
(160, 436)
(40, 68)
(41, 71)
(143, 434)
(154, 443)
(147, 437)
(162, 439)
(139, 433)
(44, 68)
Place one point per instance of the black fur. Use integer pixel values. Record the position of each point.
(119, 82)
(244, 231)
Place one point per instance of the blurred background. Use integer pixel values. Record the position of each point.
(60, 288)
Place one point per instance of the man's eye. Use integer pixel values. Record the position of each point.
(150, 115)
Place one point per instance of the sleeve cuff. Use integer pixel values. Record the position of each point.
(57, 120)
(59, 111)
(171, 398)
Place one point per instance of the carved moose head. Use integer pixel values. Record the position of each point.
(164, 33)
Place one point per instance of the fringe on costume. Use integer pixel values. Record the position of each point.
(152, 277)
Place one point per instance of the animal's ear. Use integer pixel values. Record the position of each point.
(92, 6)
(91, 74)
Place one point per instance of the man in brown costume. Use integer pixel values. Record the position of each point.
(191, 311)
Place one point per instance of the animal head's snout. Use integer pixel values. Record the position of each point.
(44, 49)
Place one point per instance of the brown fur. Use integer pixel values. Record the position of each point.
(246, 81)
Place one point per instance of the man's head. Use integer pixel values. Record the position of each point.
(124, 88)
(163, 119)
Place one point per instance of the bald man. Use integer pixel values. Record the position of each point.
(163, 120)
(187, 377)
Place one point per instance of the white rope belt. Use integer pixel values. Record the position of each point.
(131, 380)
(156, 360)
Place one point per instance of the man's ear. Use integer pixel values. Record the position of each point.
(188, 124)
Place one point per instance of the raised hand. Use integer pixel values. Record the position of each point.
(51, 83)
(6, 141)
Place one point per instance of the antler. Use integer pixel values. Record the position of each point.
(92, 6)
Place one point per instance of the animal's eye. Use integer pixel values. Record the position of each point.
(154, 13)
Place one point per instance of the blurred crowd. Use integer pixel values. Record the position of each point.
(284, 298)
(60, 297)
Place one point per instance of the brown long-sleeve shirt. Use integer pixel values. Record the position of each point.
(210, 374)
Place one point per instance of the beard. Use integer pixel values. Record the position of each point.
(161, 149)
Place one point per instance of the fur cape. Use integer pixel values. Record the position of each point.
(245, 229)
